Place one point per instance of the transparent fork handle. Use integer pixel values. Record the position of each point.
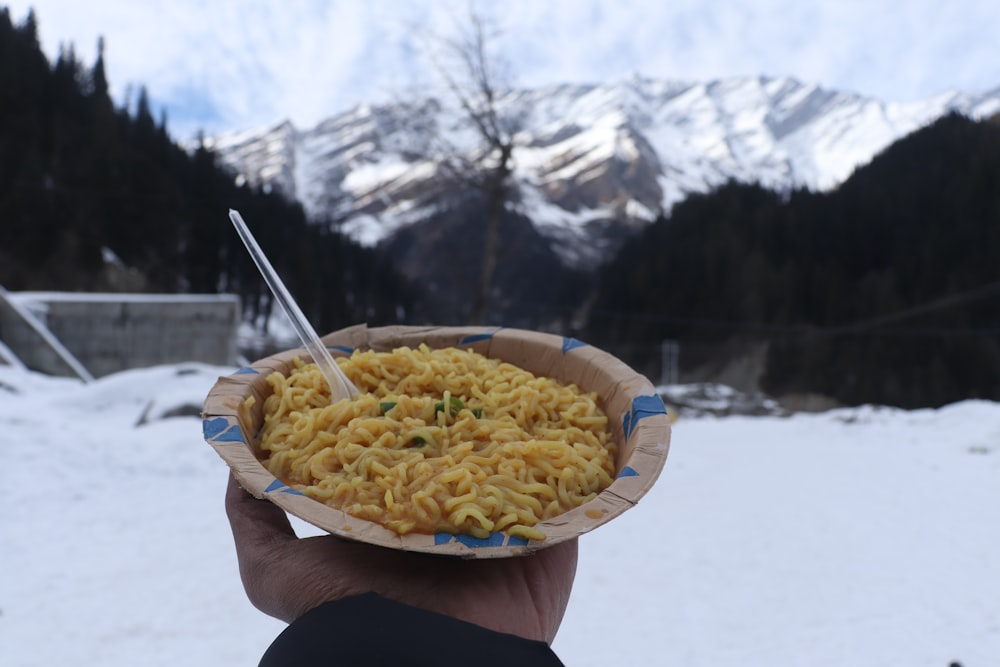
(340, 385)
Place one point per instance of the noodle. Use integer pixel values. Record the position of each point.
(442, 440)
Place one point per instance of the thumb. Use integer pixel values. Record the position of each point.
(256, 524)
(260, 530)
(278, 570)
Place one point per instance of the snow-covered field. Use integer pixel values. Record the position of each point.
(860, 537)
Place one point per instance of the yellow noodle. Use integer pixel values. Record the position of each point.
(440, 440)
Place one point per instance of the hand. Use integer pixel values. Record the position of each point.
(286, 576)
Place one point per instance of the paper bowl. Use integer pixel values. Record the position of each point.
(638, 423)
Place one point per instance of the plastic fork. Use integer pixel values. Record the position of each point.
(340, 385)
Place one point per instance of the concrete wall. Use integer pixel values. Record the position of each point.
(23, 334)
(114, 332)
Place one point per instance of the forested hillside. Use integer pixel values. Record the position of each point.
(94, 197)
(886, 290)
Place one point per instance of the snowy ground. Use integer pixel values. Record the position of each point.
(862, 537)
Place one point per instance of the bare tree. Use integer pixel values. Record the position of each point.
(473, 75)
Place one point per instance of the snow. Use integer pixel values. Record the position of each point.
(367, 177)
(857, 537)
(38, 300)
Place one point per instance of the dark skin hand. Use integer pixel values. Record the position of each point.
(285, 576)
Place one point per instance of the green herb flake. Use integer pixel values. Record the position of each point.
(455, 404)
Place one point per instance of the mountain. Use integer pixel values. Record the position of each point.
(593, 162)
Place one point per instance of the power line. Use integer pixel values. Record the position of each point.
(946, 302)
(861, 327)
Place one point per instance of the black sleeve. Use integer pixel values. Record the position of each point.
(368, 629)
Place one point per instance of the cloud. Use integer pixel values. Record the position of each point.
(229, 64)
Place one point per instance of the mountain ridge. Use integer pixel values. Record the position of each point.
(592, 161)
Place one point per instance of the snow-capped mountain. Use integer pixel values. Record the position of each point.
(588, 158)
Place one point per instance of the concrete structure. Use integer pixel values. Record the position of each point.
(88, 334)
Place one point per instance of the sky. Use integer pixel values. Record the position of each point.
(859, 537)
(230, 65)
